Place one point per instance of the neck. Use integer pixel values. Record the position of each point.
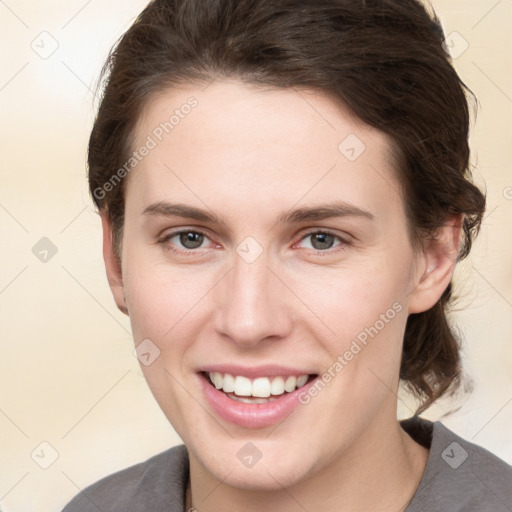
(371, 475)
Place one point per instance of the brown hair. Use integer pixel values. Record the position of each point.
(384, 59)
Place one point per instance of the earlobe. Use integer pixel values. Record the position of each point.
(437, 266)
(112, 263)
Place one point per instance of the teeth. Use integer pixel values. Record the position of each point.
(229, 383)
(252, 400)
(277, 386)
(242, 386)
(302, 380)
(217, 380)
(262, 387)
(290, 384)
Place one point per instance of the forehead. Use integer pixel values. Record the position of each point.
(245, 147)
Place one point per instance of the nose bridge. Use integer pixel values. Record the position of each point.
(251, 303)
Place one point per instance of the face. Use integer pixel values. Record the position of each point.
(266, 245)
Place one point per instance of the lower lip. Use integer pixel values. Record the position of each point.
(252, 415)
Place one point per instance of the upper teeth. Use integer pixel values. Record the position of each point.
(261, 387)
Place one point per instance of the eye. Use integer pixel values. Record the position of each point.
(323, 240)
(187, 239)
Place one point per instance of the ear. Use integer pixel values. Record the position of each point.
(112, 263)
(436, 266)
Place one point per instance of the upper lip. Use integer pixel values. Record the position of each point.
(253, 372)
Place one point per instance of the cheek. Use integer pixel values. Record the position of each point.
(164, 307)
(161, 298)
(364, 308)
(352, 299)
(368, 316)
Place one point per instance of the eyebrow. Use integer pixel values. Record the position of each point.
(313, 213)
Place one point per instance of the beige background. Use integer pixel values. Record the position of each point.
(68, 374)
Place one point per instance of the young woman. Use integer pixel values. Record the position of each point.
(284, 193)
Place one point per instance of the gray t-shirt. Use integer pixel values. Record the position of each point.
(459, 477)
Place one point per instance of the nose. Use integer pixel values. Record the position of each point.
(251, 303)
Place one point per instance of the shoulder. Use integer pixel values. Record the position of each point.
(461, 476)
(155, 485)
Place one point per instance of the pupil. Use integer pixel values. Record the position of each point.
(191, 240)
(322, 241)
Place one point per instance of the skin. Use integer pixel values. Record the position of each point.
(247, 155)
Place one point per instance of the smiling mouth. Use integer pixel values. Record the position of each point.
(256, 391)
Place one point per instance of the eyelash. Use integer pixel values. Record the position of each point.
(190, 252)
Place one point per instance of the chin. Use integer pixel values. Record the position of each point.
(278, 471)
(253, 465)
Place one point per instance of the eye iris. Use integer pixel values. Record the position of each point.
(322, 240)
(191, 240)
